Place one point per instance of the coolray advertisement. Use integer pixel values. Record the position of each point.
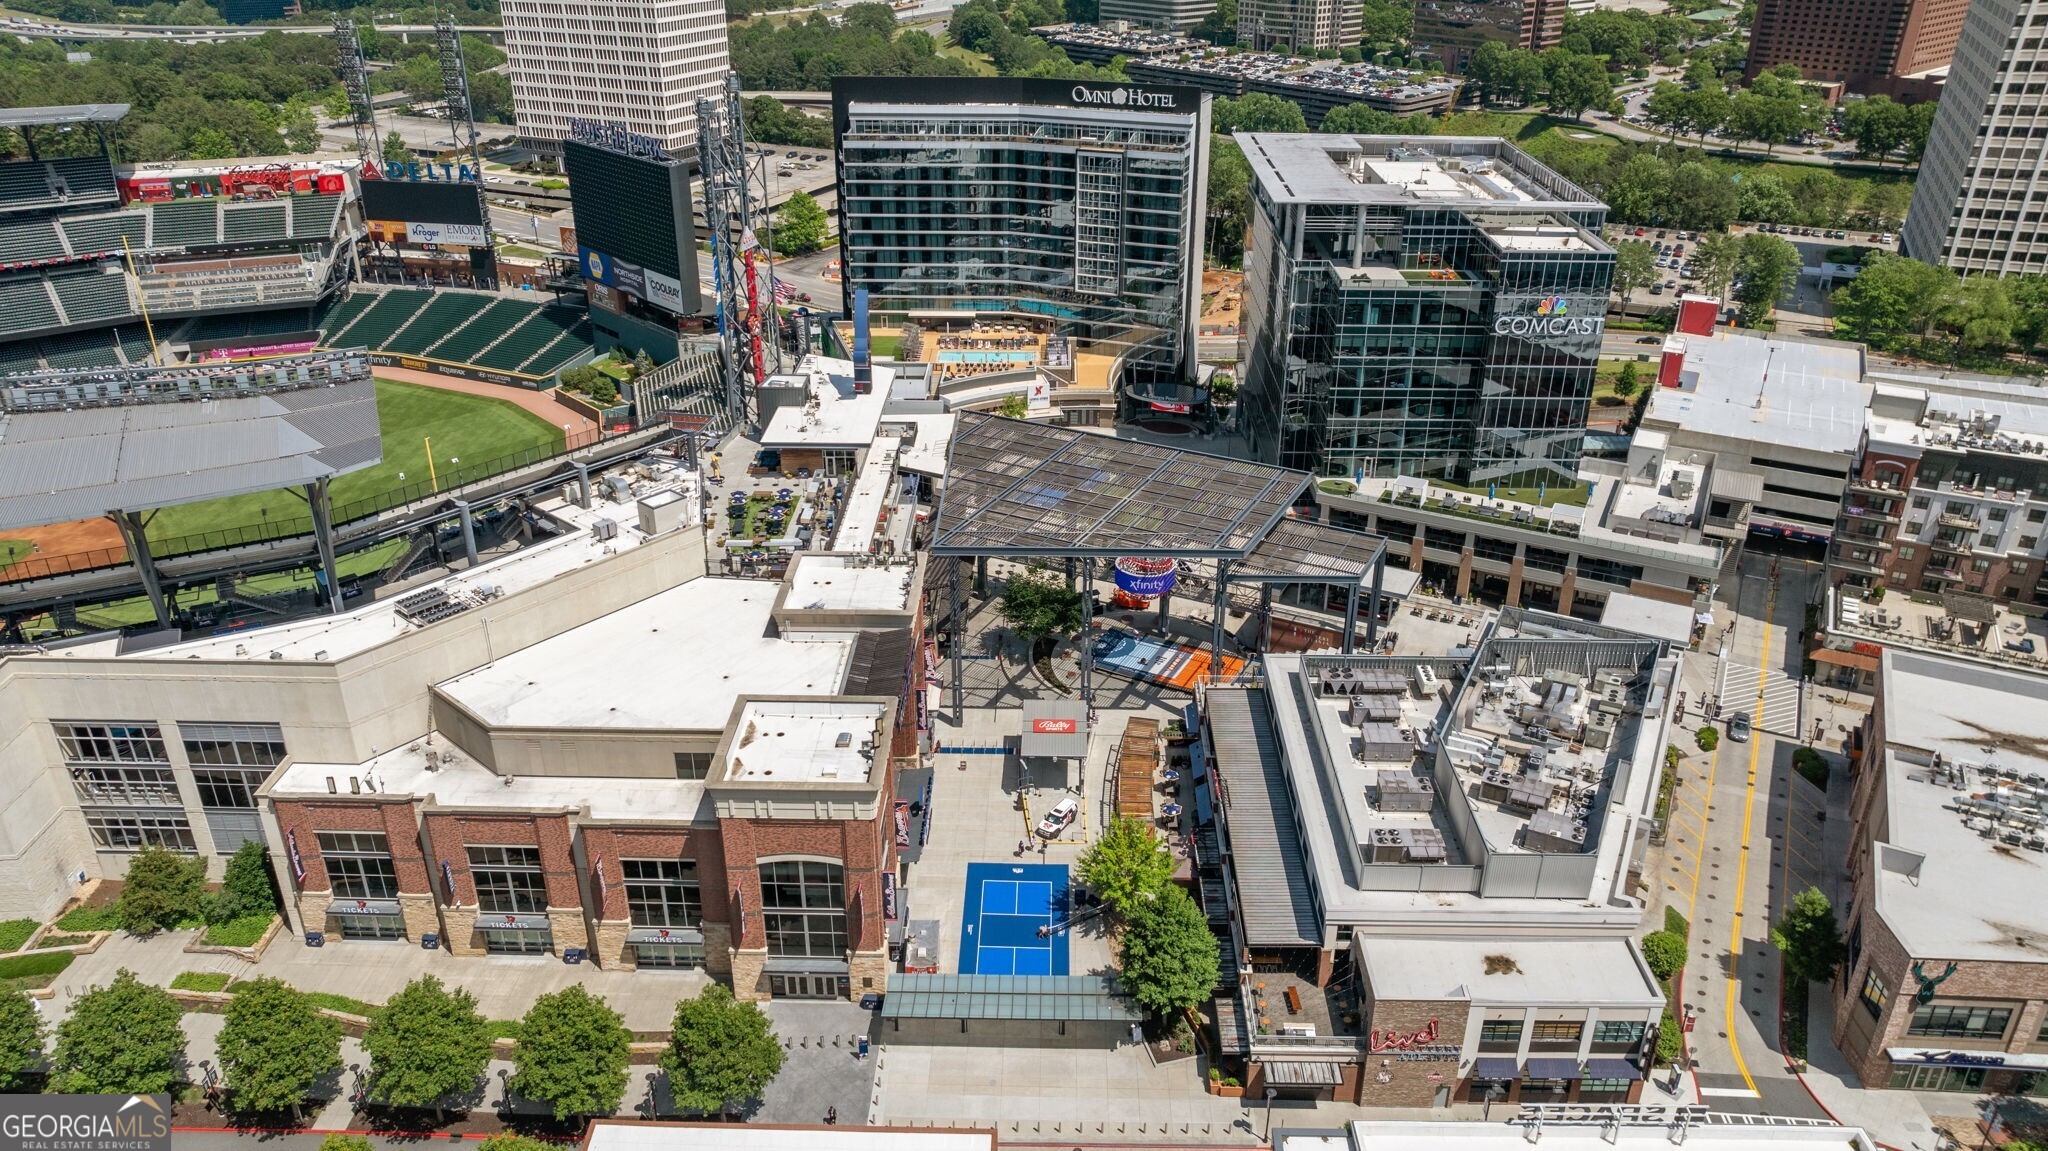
(632, 280)
(634, 230)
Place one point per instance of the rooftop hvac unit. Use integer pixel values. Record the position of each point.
(605, 529)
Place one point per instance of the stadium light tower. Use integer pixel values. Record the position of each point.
(462, 126)
(355, 82)
(744, 305)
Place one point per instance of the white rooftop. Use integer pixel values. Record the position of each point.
(1533, 972)
(1642, 615)
(1788, 393)
(1431, 179)
(1597, 1135)
(675, 660)
(1460, 171)
(1539, 238)
(869, 498)
(614, 1136)
(837, 416)
(335, 637)
(1966, 895)
(927, 455)
(823, 582)
(778, 741)
(456, 780)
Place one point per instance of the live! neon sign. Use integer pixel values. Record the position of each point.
(1391, 1040)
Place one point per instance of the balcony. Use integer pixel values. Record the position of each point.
(1955, 519)
(1848, 563)
(1868, 484)
(1279, 1003)
(1868, 512)
(1950, 575)
(1951, 545)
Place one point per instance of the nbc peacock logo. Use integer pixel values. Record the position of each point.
(1553, 306)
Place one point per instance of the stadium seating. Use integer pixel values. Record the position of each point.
(20, 356)
(24, 182)
(571, 344)
(281, 323)
(254, 223)
(537, 332)
(184, 224)
(84, 176)
(26, 304)
(313, 216)
(134, 341)
(215, 328)
(340, 312)
(463, 345)
(375, 326)
(93, 295)
(91, 235)
(25, 240)
(442, 315)
(93, 349)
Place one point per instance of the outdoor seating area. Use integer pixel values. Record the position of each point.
(983, 349)
(1954, 623)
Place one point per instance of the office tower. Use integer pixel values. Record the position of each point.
(1977, 205)
(640, 66)
(1887, 46)
(1174, 15)
(1452, 30)
(1425, 307)
(1303, 25)
(1031, 224)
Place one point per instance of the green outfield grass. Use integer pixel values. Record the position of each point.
(472, 429)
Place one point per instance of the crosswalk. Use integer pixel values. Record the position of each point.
(1779, 711)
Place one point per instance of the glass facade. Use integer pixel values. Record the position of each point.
(1392, 334)
(1013, 202)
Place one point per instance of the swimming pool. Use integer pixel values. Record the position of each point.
(988, 357)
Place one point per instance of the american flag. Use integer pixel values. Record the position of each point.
(784, 292)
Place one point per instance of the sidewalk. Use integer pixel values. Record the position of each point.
(1896, 1119)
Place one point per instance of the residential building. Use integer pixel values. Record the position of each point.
(641, 69)
(1301, 25)
(1778, 419)
(1944, 986)
(1978, 203)
(1432, 865)
(1317, 87)
(1651, 1127)
(1452, 30)
(1169, 15)
(1426, 308)
(1897, 48)
(1062, 211)
(1951, 493)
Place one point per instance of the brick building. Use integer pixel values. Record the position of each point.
(1898, 48)
(1945, 984)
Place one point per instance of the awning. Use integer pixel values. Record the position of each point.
(665, 935)
(513, 923)
(1490, 1067)
(1551, 1069)
(1612, 1069)
(1854, 659)
(1045, 998)
(804, 965)
(363, 907)
(1305, 1074)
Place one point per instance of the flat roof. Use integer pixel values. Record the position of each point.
(824, 742)
(864, 518)
(57, 466)
(1275, 896)
(1015, 487)
(1790, 393)
(1066, 998)
(1522, 972)
(824, 582)
(926, 454)
(1595, 1132)
(62, 114)
(1452, 171)
(1944, 882)
(618, 1135)
(676, 660)
(1657, 618)
(836, 416)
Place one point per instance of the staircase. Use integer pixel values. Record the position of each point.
(227, 591)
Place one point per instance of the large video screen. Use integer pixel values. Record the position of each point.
(632, 208)
(418, 202)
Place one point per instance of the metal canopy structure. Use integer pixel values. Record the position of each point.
(1303, 551)
(1278, 904)
(62, 114)
(1046, 998)
(1021, 489)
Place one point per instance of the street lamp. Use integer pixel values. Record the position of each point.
(1493, 1095)
(1271, 1094)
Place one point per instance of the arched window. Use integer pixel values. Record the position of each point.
(803, 907)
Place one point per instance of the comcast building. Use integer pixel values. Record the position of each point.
(1428, 308)
(1031, 224)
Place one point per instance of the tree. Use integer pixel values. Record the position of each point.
(1809, 938)
(1366, 120)
(1128, 865)
(245, 887)
(396, 149)
(722, 1052)
(800, 225)
(1230, 199)
(1884, 205)
(1766, 267)
(1878, 125)
(1258, 112)
(1765, 198)
(21, 1041)
(1667, 106)
(1665, 953)
(572, 1053)
(427, 1043)
(1713, 262)
(1014, 406)
(1037, 605)
(1892, 297)
(1220, 25)
(1627, 380)
(162, 889)
(509, 1142)
(1168, 957)
(274, 1045)
(122, 1039)
(1577, 83)
(1639, 188)
(1635, 266)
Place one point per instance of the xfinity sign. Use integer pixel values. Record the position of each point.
(1123, 97)
(1553, 317)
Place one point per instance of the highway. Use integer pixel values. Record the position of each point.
(205, 33)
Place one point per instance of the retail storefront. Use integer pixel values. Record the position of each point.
(367, 918)
(516, 934)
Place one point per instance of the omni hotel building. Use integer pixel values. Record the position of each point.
(1429, 308)
(532, 756)
(1069, 209)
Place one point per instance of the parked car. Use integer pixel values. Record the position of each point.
(1056, 820)
(1738, 727)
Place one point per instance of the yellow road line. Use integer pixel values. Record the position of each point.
(1692, 901)
(1756, 744)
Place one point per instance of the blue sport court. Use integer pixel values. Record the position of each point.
(1006, 905)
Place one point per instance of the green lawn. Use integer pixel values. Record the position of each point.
(975, 60)
(245, 931)
(15, 932)
(471, 429)
(200, 981)
(888, 346)
(1551, 495)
